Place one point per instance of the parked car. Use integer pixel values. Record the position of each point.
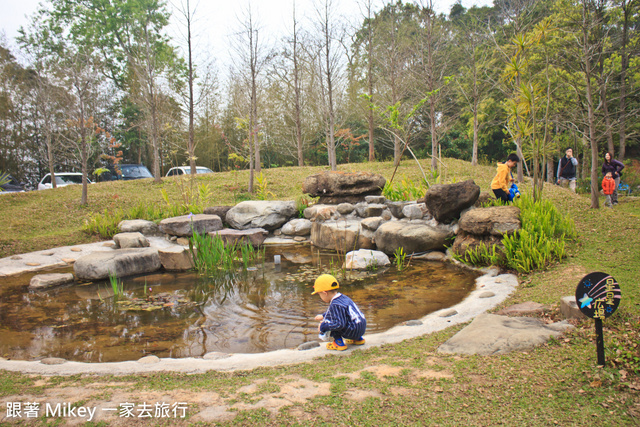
(11, 185)
(62, 179)
(186, 170)
(134, 172)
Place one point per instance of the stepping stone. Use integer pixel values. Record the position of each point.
(490, 334)
(76, 250)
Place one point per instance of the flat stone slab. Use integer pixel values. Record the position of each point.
(490, 334)
(185, 225)
(121, 262)
(44, 281)
(252, 236)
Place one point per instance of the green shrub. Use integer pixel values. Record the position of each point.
(540, 241)
(406, 189)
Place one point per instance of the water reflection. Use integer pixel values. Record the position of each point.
(241, 312)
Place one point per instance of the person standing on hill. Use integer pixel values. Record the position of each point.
(608, 187)
(615, 167)
(503, 179)
(567, 170)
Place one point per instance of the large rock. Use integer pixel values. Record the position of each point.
(413, 237)
(148, 228)
(175, 258)
(130, 240)
(364, 259)
(446, 201)
(261, 214)
(496, 220)
(320, 212)
(221, 211)
(297, 227)
(470, 242)
(414, 211)
(490, 334)
(50, 280)
(396, 208)
(121, 262)
(341, 187)
(185, 225)
(251, 236)
(342, 235)
(368, 210)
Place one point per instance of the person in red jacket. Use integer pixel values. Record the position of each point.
(608, 186)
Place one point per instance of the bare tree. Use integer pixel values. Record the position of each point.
(330, 66)
(253, 57)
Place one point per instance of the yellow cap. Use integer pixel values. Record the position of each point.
(325, 282)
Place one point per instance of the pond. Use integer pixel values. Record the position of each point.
(184, 315)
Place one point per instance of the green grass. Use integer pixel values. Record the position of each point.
(408, 383)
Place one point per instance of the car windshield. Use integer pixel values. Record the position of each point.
(135, 171)
(203, 170)
(68, 179)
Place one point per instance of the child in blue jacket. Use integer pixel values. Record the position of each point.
(343, 318)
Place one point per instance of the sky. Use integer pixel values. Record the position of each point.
(215, 21)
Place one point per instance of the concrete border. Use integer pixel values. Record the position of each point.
(491, 290)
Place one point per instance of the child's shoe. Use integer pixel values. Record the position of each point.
(337, 345)
(354, 342)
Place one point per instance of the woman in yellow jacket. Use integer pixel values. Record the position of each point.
(502, 181)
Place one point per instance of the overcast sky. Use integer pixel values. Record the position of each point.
(216, 20)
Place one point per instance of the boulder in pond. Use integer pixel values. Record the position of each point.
(495, 220)
(413, 237)
(175, 258)
(121, 262)
(446, 201)
(269, 215)
(364, 259)
(297, 227)
(341, 187)
(50, 280)
(341, 235)
(185, 225)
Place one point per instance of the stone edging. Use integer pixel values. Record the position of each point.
(491, 290)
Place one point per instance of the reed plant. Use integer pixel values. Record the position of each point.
(212, 255)
(400, 258)
(116, 285)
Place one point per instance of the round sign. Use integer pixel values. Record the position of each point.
(598, 295)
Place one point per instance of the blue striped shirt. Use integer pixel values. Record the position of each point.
(344, 316)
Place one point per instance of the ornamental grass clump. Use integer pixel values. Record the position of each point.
(540, 241)
(212, 255)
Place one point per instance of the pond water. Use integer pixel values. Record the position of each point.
(182, 314)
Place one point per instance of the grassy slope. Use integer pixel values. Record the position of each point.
(407, 383)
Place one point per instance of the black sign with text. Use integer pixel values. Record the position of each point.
(598, 295)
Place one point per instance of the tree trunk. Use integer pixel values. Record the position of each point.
(624, 64)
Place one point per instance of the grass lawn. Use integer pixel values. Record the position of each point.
(400, 384)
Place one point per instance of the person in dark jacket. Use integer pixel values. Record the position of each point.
(343, 319)
(615, 167)
(567, 170)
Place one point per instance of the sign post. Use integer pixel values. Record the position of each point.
(598, 296)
